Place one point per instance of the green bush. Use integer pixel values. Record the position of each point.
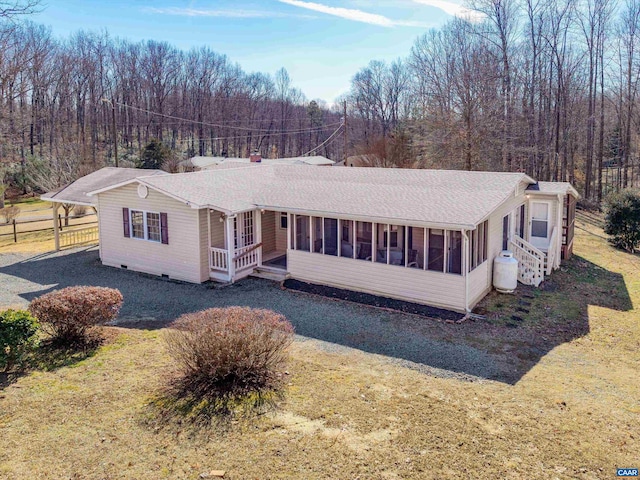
(622, 219)
(69, 313)
(17, 337)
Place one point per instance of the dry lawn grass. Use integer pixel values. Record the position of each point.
(575, 414)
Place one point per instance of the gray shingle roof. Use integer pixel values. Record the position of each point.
(553, 188)
(208, 162)
(76, 192)
(439, 197)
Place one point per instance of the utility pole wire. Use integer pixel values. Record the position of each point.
(248, 129)
(325, 142)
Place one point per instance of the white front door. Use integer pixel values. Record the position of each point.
(540, 224)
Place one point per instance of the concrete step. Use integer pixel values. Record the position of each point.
(270, 273)
(270, 269)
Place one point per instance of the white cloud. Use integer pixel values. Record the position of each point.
(194, 12)
(453, 9)
(353, 14)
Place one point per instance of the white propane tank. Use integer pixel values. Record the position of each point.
(505, 272)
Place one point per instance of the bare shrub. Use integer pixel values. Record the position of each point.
(80, 210)
(227, 354)
(9, 213)
(68, 314)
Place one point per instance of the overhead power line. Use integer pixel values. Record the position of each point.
(218, 125)
(325, 142)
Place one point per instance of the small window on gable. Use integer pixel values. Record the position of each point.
(283, 220)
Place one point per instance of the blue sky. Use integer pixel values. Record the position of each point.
(322, 43)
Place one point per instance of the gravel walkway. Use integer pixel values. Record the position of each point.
(337, 325)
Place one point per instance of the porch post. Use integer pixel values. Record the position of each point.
(465, 266)
(289, 230)
(355, 240)
(209, 240)
(56, 227)
(425, 250)
(388, 243)
(406, 245)
(258, 239)
(374, 246)
(558, 247)
(231, 251)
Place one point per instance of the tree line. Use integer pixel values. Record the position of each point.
(547, 87)
(60, 99)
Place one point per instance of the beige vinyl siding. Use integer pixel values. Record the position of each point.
(281, 237)
(479, 283)
(203, 225)
(217, 230)
(180, 259)
(495, 231)
(269, 231)
(410, 284)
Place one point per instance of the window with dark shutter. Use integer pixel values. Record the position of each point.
(164, 228)
(125, 222)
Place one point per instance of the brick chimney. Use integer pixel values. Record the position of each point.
(255, 157)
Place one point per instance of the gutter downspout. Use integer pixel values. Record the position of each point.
(466, 271)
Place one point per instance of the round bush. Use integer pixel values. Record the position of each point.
(17, 336)
(67, 314)
(230, 352)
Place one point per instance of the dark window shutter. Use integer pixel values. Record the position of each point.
(164, 228)
(125, 222)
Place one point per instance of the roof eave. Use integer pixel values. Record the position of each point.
(57, 200)
(368, 218)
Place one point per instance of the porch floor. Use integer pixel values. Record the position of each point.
(275, 259)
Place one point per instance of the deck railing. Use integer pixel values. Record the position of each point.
(218, 259)
(79, 236)
(530, 261)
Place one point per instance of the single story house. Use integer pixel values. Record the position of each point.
(425, 236)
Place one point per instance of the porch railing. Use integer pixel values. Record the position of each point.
(218, 259)
(246, 257)
(78, 236)
(530, 261)
(552, 252)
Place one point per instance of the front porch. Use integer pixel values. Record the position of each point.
(244, 243)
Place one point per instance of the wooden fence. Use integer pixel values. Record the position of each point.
(83, 233)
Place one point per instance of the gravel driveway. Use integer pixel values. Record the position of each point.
(148, 301)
